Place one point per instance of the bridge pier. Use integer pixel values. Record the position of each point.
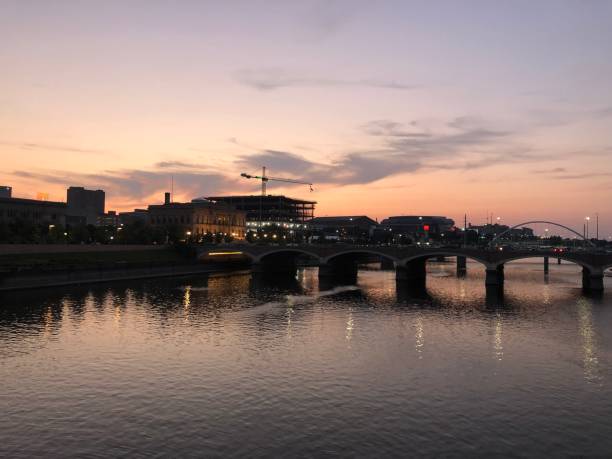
(494, 281)
(286, 270)
(495, 276)
(412, 273)
(545, 265)
(386, 264)
(344, 272)
(461, 266)
(592, 280)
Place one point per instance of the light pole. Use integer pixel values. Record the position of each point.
(587, 226)
(597, 226)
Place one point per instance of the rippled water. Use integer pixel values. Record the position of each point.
(199, 367)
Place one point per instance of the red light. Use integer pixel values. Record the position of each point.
(425, 227)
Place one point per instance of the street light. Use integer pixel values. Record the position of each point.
(587, 226)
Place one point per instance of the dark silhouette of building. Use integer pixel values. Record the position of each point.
(85, 206)
(270, 210)
(137, 215)
(417, 226)
(198, 218)
(110, 218)
(6, 191)
(355, 228)
(32, 211)
(492, 230)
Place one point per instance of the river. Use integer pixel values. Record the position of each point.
(223, 367)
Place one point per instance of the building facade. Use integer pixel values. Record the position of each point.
(6, 191)
(137, 215)
(32, 211)
(199, 218)
(417, 226)
(86, 206)
(492, 230)
(271, 210)
(355, 228)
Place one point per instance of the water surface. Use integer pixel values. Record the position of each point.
(197, 367)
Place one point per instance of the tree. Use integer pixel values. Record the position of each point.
(250, 236)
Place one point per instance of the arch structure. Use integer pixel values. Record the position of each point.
(564, 257)
(542, 222)
(280, 251)
(445, 253)
(359, 251)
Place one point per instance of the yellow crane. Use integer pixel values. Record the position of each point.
(265, 179)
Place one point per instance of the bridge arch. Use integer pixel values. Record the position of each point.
(358, 251)
(443, 253)
(283, 250)
(540, 222)
(587, 266)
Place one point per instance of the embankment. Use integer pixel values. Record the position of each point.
(33, 266)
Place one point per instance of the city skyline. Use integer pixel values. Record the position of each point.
(390, 109)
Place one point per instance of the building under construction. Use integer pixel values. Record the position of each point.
(271, 210)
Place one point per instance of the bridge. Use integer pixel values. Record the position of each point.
(340, 261)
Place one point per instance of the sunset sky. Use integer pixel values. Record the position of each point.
(389, 108)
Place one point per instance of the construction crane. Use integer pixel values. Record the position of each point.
(265, 179)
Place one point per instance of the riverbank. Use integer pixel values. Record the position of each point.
(37, 266)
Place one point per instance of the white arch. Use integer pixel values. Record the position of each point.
(544, 222)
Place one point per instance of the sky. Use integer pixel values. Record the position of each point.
(389, 108)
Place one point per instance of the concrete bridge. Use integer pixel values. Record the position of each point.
(341, 260)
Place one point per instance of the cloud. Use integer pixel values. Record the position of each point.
(568, 116)
(178, 165)
(271, 79)
(54, 147)
(133, 185)
(550, 171)
(323, 19)
(583, 175)
(463, 143)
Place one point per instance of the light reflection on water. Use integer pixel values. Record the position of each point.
(229, 366)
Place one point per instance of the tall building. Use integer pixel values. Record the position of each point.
(6, 191)
(85, 205)
(199, 217)
(271, 210)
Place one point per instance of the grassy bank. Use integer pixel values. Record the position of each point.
(85, 260)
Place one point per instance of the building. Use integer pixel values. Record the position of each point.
(110, 218)
(86, 206)
(6, 191)
(32, 211)
(198, 218)
(355, 228)
(271, 210)
(492, 230)
(417, 226)
(137, 215)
